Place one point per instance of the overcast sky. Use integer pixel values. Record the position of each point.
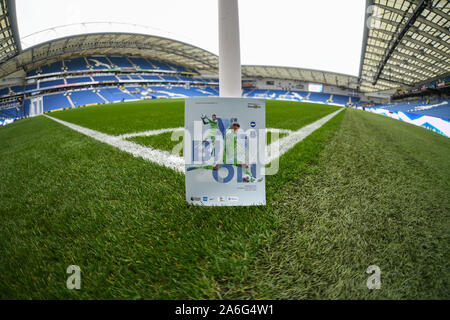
(319, 34)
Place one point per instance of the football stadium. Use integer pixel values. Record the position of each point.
(92, 172)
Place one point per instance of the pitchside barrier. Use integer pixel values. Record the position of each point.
(437, 125)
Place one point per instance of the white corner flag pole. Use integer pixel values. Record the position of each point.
(230, 75)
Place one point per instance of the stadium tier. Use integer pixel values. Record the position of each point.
(106, 63)
(439, 108)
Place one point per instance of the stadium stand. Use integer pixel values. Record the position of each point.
(99, 63)
(85, 97)
(161, 66)
(51, 84)
(30, 87)
(55, 101)
(141, 63)
(121, 62)
(4, 92)
(78, 80)
(152, 78)
(76, 64)
(439, 108)
(113, 94)
(105, 79)
(52, 68)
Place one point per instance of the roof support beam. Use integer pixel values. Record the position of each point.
(417, 12)
(369, 3)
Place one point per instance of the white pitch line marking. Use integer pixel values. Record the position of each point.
(163, 158)
(149, 133)
(287, 143)
(166, 159)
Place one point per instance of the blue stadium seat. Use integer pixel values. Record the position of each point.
(99, 63)
(152, 78)
(77, 64)
(55, 101)
(4, 92)
(135, 77)
(142, 64)
(50, 84)
(30, 87)
(121, 62)
(340, 99)
(123, 77)
(115, 94)
(170, 78)
(55, 67)
(161, 65)
(85, 97)
(78, 80)
(105, 79)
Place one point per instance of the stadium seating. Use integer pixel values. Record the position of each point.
(99, 63)
(4, 92)
(51, 84)
(135, 77)
(170, 78)
(55, 101)
(439, 108)
(152, 78)
(123, 77)
(161, 65)
(30, 87)
(78, 80)
(10, 111)
(55, 67)
(121, 62)
(340, 99)
(105, 79)
(103, 63)
(17, 89)
(85, 97)
(113, 94)
(141, 63)
(185, 79)
(77, 64)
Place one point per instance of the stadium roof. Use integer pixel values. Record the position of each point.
(9, 38)
(112, 44)
(408, 42)
(328, 78)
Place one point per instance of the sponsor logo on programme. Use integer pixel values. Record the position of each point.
(254, 106)
(195, 199)
(205, 199)
(233, 199)
(221, 199)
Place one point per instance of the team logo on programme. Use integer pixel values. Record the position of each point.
(253, 124)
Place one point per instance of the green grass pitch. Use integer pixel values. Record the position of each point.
(362, 190)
